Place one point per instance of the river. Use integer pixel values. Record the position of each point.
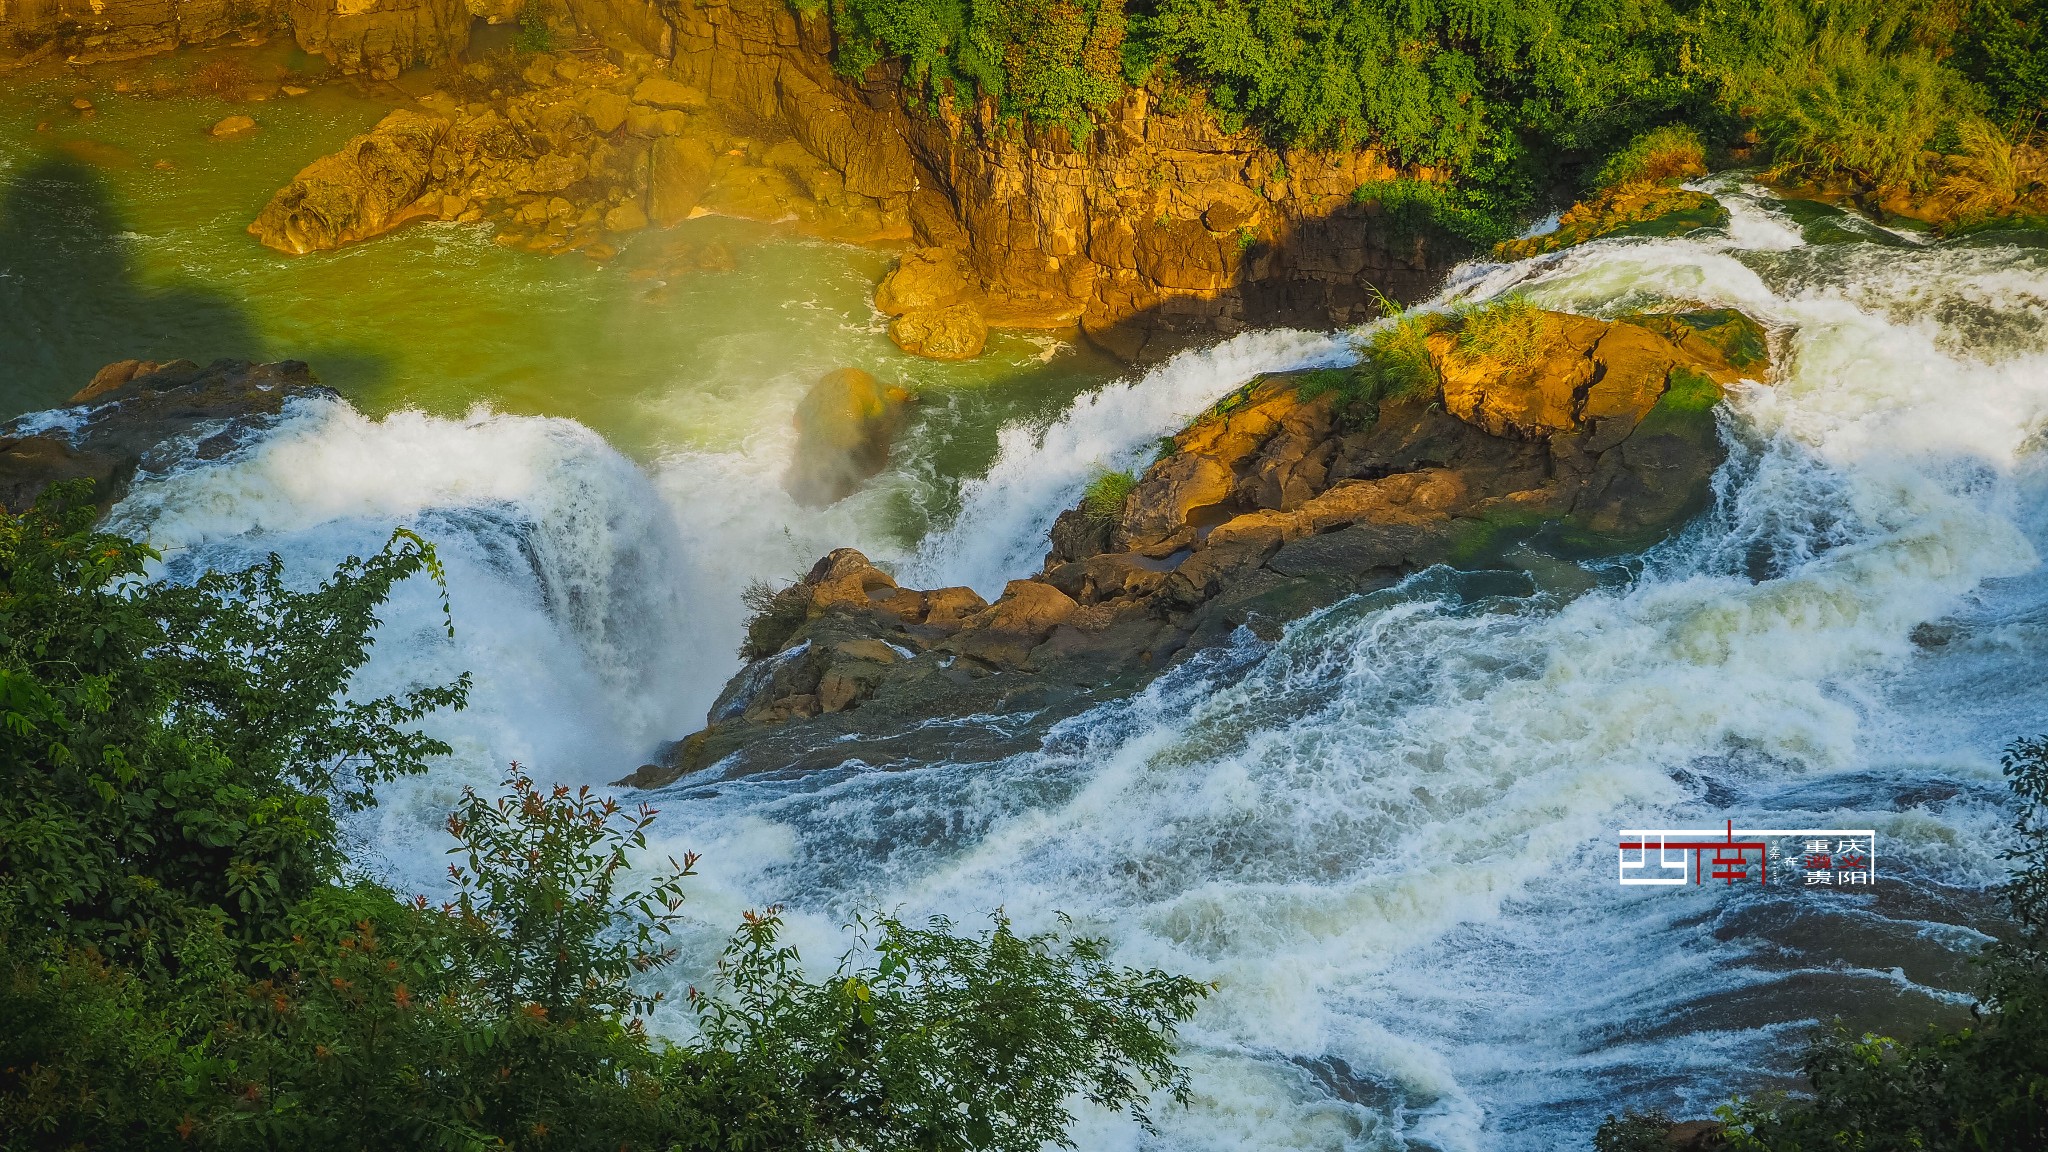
(1387, 835)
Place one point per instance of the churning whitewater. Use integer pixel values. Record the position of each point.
(1388, 836)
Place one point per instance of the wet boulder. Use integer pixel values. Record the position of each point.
(845, 425)
(954, 332)
(938, 314)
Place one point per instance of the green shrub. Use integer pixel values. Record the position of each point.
(1415, 207)
(1854, 90)
(534, 34)
(2005, 46)
(1048, 61)
(1670, 153)
(1103, 502)
(1633, 1131)
(1499, 100)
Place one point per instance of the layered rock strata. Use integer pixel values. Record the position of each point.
(573, 151)
(1291, 494)
(375, 37)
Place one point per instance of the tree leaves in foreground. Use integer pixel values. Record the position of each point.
(184, 961)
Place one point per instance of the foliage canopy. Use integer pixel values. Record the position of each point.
(1499, 99)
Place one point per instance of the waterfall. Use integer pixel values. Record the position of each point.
(1387, 836)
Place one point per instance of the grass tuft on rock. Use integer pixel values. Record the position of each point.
(1104, 501)
(775, 614)
(1510, 331)
(1397, 361)
(1659, 156)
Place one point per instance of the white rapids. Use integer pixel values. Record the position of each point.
(1387, 837)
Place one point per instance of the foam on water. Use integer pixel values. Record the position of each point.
(1387, 835)
(598, 606)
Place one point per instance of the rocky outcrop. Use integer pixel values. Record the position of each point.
(376, 37)
(572, 152)
(381, 37)
(1157, 231)
(377, 181)
(1292, 493)
(140, 415)
(1637, 210)
(120, 29)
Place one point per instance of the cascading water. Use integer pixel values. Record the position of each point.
(1000, 532)
(1388, 835)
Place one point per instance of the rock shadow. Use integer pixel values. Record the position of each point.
(70, 297)
(1320, 273)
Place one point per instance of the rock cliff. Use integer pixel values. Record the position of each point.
(1291, 494)
(1157, 230)
(377, 37)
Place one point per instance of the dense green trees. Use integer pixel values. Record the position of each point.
(184, 960)
(1505, 98)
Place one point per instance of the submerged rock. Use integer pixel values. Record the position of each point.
(954, 332)
(1292, 493)
(844, 427)
(142, 415)
(232, 126)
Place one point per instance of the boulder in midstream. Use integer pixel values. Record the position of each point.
(143, 416)
(845, 425)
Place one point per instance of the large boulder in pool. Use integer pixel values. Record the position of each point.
(844, 426)
(1577, 437)
(937, 311)
(144, 416)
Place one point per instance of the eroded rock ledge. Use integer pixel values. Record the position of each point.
(143, 415)
(1294, 492)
